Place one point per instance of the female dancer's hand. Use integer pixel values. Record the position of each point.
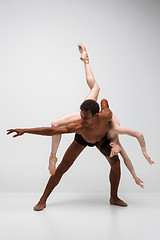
(18, 131)
(139, 182)
(147, 157)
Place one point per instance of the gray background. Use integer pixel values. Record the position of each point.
(42, 79)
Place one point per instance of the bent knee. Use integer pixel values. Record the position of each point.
(96, 86)
(55, 124)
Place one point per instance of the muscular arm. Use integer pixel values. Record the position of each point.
(130, 167)
(47, 131)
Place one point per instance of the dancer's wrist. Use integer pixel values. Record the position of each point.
(134, 174)
(143, 149)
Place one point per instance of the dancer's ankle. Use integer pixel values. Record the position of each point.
(42, 201)
(53, 157)
(114, 196)
(53, 154)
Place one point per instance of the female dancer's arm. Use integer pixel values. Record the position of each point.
(130, 167)
(139, 136)
(123, 130)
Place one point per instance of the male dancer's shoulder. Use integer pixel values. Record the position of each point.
(75, 126)
(106, 114)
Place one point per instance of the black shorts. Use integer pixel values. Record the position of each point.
(78, 138)
(104, 146)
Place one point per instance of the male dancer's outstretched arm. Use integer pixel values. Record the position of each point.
(47, 131)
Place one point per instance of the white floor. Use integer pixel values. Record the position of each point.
(79, 216)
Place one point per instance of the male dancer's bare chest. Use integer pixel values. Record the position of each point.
(95, 134)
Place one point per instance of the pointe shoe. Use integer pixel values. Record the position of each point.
(52, 164)
(39, 206)
(84, 56)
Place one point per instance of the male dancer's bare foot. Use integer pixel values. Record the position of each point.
(40, 206)
(117, 201)
(52, 164)
(84, 56)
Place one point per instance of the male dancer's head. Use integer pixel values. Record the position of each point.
(89, 112)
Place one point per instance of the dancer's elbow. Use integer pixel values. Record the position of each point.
(139, 135)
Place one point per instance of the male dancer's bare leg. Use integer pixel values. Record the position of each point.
(69, 157)
(115, 174)
(94, 91)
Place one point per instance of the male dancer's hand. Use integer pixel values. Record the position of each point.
(18, 131)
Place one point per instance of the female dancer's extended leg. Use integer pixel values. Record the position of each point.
(94, 91)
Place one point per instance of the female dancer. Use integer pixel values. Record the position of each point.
(113, 132)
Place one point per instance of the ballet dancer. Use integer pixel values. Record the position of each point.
(85, 131)
(114, 129)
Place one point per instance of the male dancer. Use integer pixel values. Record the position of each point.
(91, 130)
